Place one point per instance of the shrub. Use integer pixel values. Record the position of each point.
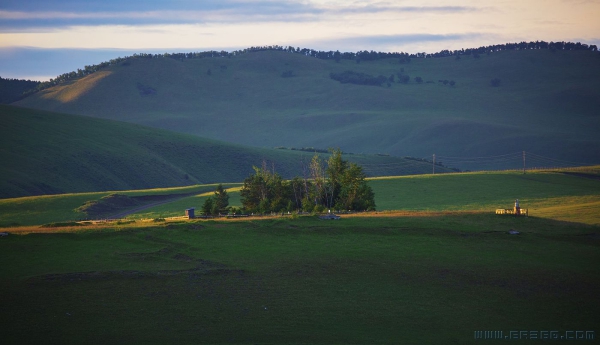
(350, 77)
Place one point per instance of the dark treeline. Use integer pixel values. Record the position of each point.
(326, 55)
(11, 90)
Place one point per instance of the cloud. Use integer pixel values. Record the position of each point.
(14, 18)
(393, 42)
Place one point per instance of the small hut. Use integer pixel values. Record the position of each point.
(190, 213)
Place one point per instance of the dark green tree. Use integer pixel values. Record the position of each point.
(255, 190)
(265, 191)
(336, 167)
(340, 185)
(221, 199)
(207, 207)
(356, 194)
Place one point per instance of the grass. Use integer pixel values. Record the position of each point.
(410, 280)
(553, 195)
(51, 153)
(571, 195)
(546, 103)
(60, 208)
(484, 191)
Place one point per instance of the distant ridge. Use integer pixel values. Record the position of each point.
(326, 55)
(534, 97)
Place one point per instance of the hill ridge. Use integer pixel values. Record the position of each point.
(537, 100)
(335, 55)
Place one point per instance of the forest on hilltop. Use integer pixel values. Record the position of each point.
(359, 56)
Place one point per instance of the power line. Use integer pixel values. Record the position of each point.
(516, 160)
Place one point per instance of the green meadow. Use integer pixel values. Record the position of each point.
(559, 195)
(437, 274)
(46, 209)
(553, 195)
(407, 280)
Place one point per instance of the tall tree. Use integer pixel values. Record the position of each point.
(336, 167)
(317, 175)
(221, 199)
(207, 207)
(356, 194)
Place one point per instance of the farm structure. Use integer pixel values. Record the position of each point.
(517, 210)
(189, 213)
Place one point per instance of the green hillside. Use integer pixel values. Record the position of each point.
(12, 90)
(547, 102)
(51, 153)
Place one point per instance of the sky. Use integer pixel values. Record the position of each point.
(40, 39)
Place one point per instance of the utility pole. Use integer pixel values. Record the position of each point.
(523, 162)
(434, 163)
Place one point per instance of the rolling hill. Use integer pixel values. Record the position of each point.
(545, 102)
(51, 153)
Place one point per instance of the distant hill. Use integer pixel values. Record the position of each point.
(543, 101)
(11, 90)
(51, 153)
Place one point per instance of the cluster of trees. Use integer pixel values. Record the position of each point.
(339, 185)
(447, 82)
(325, 55)
(351, 77)
(405, 57)
(218, 203)
(402, 78)
(308, 149)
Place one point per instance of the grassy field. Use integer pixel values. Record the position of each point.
(546, 194)
(408, 280)
(551, 195)
(546, 103)
(61, 208)
(435, 273)
(52, 153)
(569, 195)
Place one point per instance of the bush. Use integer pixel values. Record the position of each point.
(61, 224)
(287, 74)
(350, 77)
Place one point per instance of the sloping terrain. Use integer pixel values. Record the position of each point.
(12, 90)
(51, 153)
(544, 101)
